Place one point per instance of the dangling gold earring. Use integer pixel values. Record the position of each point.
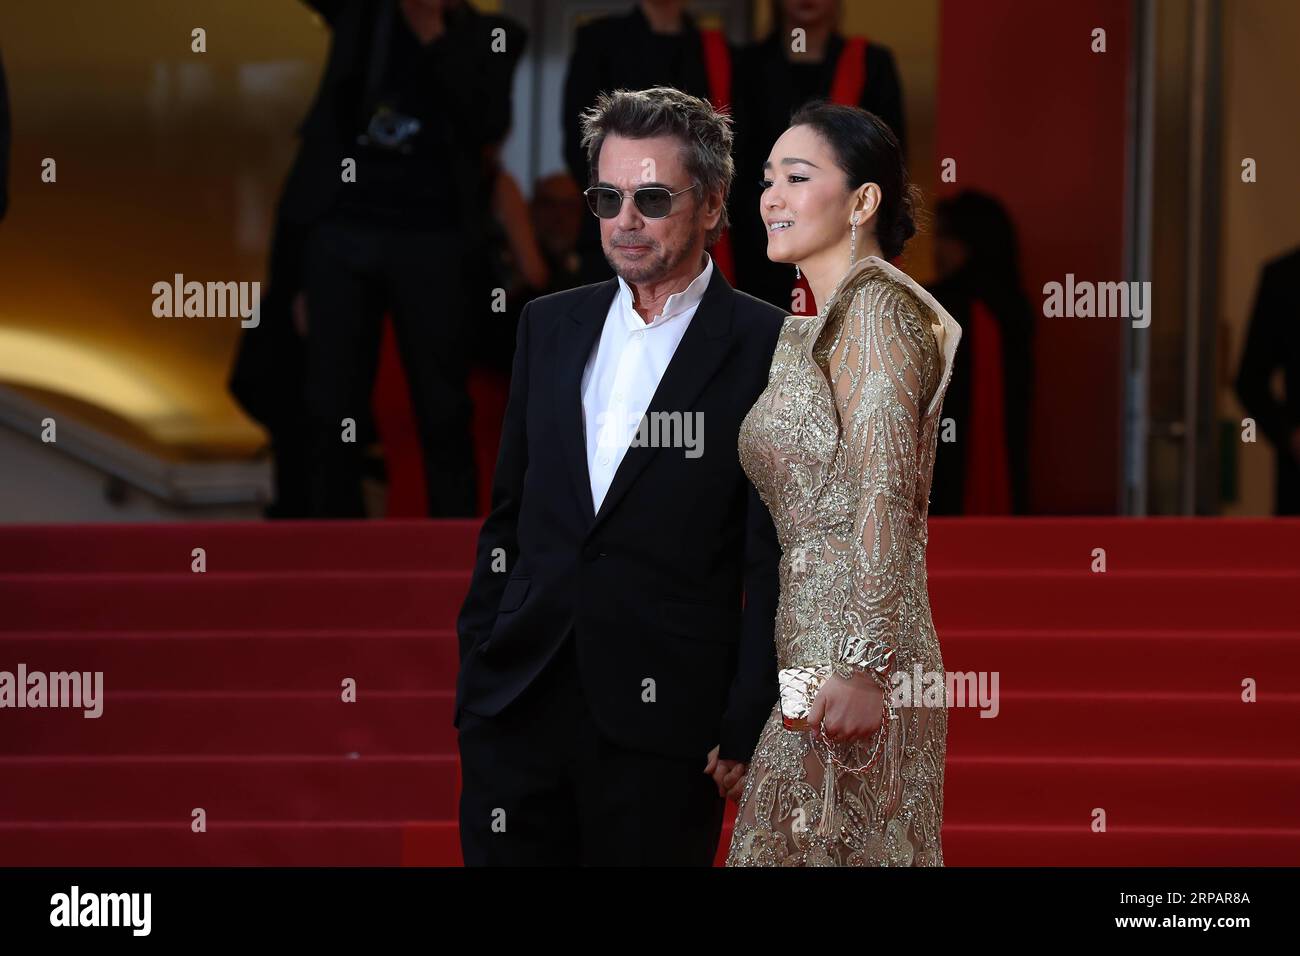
(853, 241)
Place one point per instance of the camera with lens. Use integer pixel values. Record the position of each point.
(391, 130)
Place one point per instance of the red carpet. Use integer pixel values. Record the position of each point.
(1118, 691)
(395, 419)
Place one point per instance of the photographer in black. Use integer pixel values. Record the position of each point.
(383, 212)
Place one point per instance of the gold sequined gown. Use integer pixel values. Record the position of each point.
(850, 506)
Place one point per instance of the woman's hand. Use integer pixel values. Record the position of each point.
(847, 710)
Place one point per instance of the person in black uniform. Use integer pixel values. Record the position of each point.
(657, 43)
(1273, 342)
(770, 82)
(977, 260)
(412, 92)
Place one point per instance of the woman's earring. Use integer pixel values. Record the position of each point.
(796, 272)
(853, 242)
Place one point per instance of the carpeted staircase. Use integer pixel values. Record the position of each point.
(1119, 691)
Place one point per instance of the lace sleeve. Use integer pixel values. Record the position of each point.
(884, 369)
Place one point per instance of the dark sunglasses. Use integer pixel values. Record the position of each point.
(653, 202)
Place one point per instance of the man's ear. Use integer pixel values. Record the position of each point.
(713, 208)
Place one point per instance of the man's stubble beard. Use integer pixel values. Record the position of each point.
(658, 267)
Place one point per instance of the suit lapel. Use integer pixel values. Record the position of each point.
(703, 347)
(577, 338)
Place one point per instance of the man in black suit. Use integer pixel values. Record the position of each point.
(1273, 342)
(604, 644)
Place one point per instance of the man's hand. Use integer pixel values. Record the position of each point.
(850, 709)
(727, 774)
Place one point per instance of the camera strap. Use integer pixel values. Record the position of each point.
(379, 44)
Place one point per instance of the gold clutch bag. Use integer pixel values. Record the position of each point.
(799, 686)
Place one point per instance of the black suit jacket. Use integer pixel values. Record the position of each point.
(1272, 342)
(652, 585)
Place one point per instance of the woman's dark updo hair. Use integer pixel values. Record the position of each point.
(868, 152)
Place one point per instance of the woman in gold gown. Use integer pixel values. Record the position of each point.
(840, 447)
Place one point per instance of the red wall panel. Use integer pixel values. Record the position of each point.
(1033, 116)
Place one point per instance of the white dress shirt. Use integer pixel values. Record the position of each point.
(623, 372)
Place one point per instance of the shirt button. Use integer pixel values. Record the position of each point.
(604, 459)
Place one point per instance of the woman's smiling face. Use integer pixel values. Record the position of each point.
(806, 203)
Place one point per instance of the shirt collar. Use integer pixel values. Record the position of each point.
(676, 303)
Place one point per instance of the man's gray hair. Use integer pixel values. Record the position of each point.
(664, 111)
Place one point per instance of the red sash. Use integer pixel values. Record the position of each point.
(717, 64)
(850, 73)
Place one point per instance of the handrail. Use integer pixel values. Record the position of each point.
(217, 482)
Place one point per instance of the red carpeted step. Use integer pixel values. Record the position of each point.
(431, 843)
(379, 723)
(437, 844)
(347, 843)
(1228, 599)
(1133, 790)
(243, 660)
(1187, 660)
(1065, 724)
(165, 547)
(1017, 599)
(955, 543)
(1010, 845)
(155, 789)
(1201, 661)
(1131, 544)
(331, 843)
(254, 600)
(382, 723)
